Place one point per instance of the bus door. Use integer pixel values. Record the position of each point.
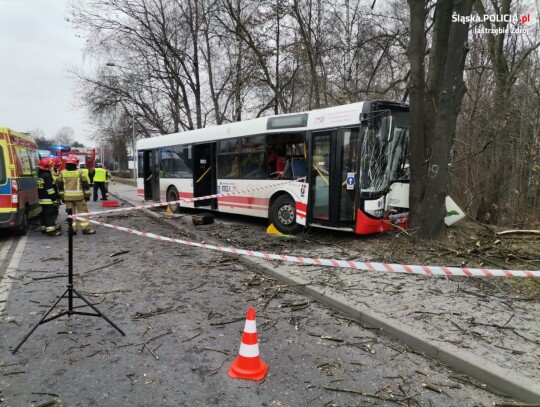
(333, 177)
(204, 174)
(150, 172)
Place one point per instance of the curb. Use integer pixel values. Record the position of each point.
(508, 381)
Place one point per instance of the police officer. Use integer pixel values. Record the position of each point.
(48, 198)
(101, 181)
(74, 190)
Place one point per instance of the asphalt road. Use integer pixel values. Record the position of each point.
(183, 311)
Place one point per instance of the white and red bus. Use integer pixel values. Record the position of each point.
(347, 167)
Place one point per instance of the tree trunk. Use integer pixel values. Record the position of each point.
(429, 162)
(415, 53)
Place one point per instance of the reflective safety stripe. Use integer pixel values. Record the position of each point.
(50, 228)
(249, 351)
(45, 201)
(251, 326)
(50, 191)
(73, 194)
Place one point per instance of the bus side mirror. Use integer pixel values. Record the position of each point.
(364, 119)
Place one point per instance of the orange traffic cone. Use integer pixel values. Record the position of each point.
(248, 365)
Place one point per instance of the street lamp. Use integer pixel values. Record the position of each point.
(112, 64)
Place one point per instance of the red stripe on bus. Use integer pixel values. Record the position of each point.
(250, 200)
(243, 206)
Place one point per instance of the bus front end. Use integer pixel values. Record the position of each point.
(383, 176)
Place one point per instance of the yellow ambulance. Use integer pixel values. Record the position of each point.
(19, 159)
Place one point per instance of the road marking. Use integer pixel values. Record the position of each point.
(5, 248)
(12, 267)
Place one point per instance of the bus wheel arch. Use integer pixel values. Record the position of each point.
(173, 195)
(282, 214)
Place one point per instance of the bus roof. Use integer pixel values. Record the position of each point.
(316, 119)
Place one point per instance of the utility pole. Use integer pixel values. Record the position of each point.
(133, 142)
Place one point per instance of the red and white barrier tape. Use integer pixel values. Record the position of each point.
(392, 268)
(199, 198)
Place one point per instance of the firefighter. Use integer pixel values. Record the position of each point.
(74, 190)
(55, 171)
(48, 198)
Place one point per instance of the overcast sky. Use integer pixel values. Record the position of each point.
(37, 47)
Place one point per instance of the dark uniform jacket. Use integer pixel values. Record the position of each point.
(47, 193)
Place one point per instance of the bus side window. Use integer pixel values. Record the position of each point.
(228, 166)
(253, 166)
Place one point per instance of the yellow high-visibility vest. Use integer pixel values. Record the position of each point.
(100, 175)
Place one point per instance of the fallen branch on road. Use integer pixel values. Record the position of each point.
(97, 294)
(118, 253)
(227, 322)
(113, 263)
(157, 311)
(518, 231)
(48, 277)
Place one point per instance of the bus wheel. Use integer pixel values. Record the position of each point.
(172, 195)
(283, 215)
(22, 227)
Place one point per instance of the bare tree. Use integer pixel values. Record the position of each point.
(65, 136)
(39, 137)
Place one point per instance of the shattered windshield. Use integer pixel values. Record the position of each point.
(383, 154)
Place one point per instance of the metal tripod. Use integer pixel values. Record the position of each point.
(69, 293)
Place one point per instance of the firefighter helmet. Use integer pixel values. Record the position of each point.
(72, 160)
(56, 162)
(45, 163)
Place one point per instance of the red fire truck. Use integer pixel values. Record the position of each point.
(85, 157)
